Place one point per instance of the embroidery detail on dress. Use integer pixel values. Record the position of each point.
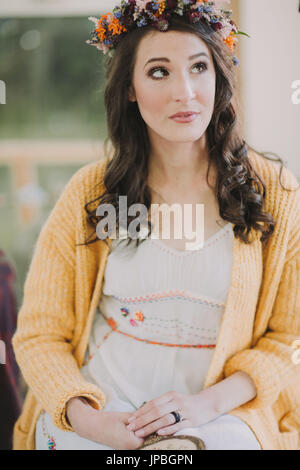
(177, 335)
(50, 439)
(125, 311)
(112, 323)
(177, 323)
(139, 316)
(99, 345)
(114, 327)
(174, 295)
(51, 443)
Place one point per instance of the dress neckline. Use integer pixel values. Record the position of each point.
(209, 241)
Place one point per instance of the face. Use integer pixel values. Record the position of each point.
(174, 73)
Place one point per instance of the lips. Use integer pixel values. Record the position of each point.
(184, 114)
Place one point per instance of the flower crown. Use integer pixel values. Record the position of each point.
(111, 27)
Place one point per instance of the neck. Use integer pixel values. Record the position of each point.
(180, 165)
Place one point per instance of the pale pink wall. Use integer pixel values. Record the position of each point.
(270, 63)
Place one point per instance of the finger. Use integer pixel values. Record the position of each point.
(156, 414)
(138, 439)
(168, 425)
(147, 418)
(151, 405)
(169, 430)
(155, 425)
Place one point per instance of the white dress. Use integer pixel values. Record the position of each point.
(155, 330)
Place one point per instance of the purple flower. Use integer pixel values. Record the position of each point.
(236, 61)
(142, 22)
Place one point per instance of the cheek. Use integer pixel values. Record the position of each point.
(151, 100)
(208, 92)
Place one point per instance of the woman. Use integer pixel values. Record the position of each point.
(204, 337)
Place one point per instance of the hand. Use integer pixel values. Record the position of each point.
(155, 415)
(106, 427)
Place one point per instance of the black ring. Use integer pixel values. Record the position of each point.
(176, 416)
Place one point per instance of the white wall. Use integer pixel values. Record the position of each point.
(270, 62)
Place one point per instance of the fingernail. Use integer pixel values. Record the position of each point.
(131, 418)
(130, 427)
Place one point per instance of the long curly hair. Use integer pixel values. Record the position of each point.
(240, 191)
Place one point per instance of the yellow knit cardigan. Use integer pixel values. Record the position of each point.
(259, 326)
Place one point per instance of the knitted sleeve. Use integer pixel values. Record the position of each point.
(271, 363)
(46, 320)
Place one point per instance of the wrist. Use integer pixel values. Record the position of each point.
(84, 418)
(213, 404)
(232, 392)
(74, 406)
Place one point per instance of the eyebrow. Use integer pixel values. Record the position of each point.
(165, 59)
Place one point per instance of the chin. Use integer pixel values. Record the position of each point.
(184, 137)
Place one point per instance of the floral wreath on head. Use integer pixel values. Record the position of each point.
(111, 27)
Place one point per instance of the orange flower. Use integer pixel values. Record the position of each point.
(139, 316)
(101, 32)
(161, 8)
(116, 27)
(229, 41)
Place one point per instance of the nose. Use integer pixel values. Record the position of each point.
(183, 88)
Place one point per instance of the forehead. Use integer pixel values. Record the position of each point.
(171, 44)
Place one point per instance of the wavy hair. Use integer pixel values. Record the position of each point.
(240, 191)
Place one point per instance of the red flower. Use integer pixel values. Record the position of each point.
(217, 26)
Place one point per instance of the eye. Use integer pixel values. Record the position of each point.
(202, 66)
(155, 70)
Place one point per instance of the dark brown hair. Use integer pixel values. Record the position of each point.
(239, 189)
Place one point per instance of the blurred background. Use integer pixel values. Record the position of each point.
(52, 117)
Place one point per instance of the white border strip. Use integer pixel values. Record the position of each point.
(45, 8)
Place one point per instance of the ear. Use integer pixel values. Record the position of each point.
(131, 94)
